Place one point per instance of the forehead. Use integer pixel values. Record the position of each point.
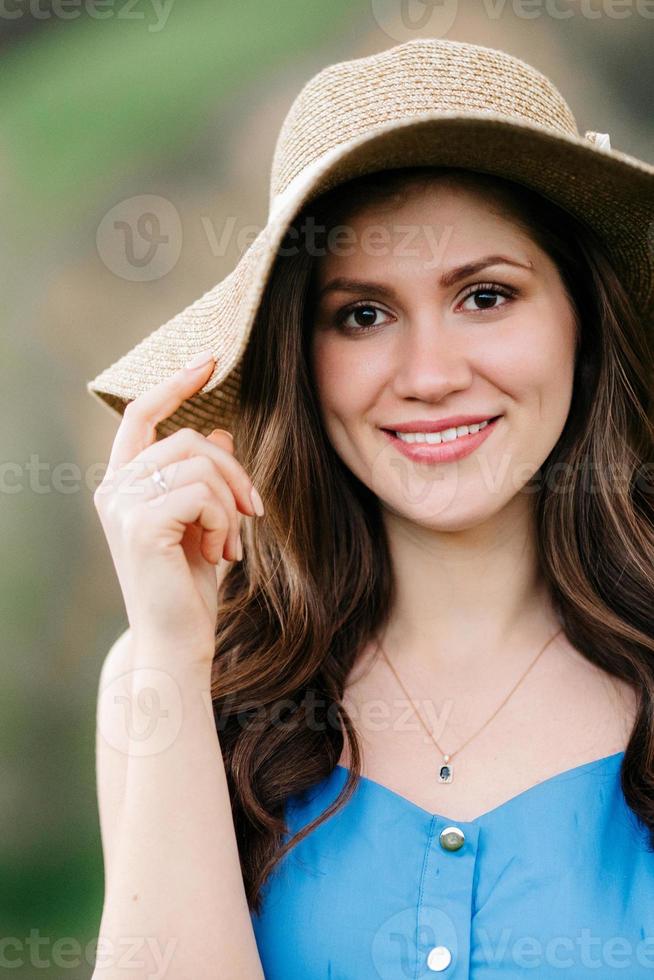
(433, 225)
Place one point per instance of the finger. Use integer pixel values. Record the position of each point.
(234, 540)
(195, 503)
(222, 438)
(199, 469)
(186, 443)
(226, 498)
(137, 429)
(225, 439)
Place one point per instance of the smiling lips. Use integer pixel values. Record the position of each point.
(422, 442)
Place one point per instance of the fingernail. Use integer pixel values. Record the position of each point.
(202, 358)
(239, 549)
(223, 431)
(257, 502)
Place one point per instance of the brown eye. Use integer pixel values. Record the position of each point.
(365, 314)
(486, 294)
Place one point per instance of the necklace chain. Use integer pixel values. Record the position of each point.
(430, 733)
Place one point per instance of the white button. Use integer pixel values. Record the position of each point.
(439, 958)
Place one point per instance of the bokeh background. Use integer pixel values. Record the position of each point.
(118, 110)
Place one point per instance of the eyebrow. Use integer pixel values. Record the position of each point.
(449, 278)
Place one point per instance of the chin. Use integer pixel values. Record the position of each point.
(447, 515)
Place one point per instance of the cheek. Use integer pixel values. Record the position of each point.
(343, 378)
(552, 363)
(539, 357)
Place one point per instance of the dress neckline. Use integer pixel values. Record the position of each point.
(372, 784)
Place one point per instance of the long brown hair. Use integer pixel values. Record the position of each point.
(315, 586)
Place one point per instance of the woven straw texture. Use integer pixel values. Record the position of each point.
(426, 101)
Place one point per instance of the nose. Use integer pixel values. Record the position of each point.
(430, 360)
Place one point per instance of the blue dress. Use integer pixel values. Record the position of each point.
(557, 882)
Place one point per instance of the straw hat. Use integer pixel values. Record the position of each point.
(426, 101)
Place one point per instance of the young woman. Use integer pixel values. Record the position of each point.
(446, 404)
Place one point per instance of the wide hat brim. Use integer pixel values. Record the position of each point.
(608, 190)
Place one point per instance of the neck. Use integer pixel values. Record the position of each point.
(464, 596)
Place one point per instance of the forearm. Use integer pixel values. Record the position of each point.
(176, 885)
(112, 742)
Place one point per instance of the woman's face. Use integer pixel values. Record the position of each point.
(414, 343)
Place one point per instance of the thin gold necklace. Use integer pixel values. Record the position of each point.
(445, 771)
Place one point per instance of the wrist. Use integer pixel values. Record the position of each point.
(149, 649)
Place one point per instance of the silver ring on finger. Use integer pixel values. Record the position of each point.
(160, 483)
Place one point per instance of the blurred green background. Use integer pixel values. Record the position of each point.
(103, 103)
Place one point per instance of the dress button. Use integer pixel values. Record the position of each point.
(439, 958)
(451, 838)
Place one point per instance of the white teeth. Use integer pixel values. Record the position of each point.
(446, 435)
